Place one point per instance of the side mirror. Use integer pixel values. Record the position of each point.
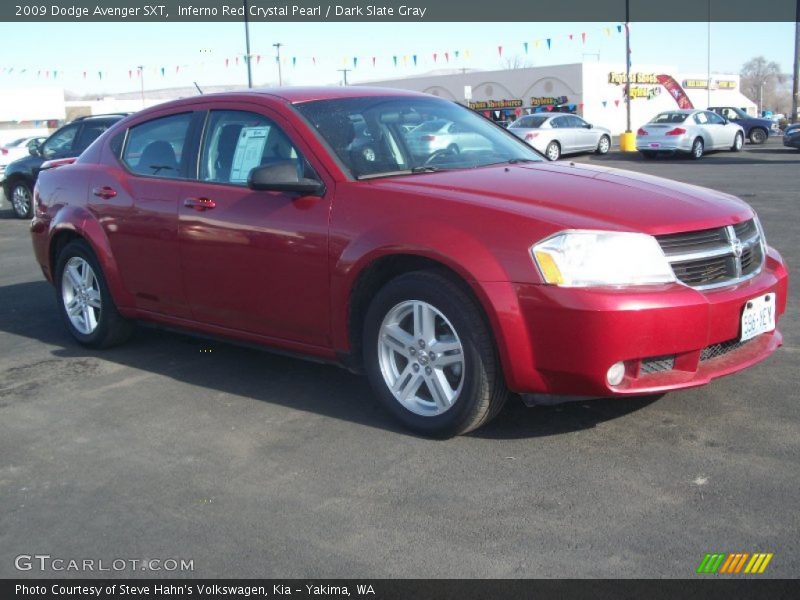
(589, 126)
(282, 177)
(34, 150)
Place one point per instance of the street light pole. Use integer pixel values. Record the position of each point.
(247, 46)
(344, 73)
(628, 65)
(795, 116)
(708, 59)
(278, 60)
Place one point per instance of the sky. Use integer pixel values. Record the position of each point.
(74, 55)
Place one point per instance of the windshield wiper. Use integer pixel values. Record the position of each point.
(425, 169)
(515, 161)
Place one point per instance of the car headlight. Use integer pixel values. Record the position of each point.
(582, 258)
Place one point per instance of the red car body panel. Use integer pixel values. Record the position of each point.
(278, 269)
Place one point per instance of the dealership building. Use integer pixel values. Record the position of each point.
(594, 90)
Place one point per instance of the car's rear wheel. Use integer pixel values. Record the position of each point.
(86, 305)
(697, 149)
(430, 356)
(604, 145)
(553, 150)
(22, 200)
(738, 142)
(758, 136)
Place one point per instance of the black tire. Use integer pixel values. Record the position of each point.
(453, 148)
(112, 328)
(603, 145)
(553, 151)
(698, 148)
(758, 135)
(483, 390)
(738, 142)
(19, 189)
(648, 154)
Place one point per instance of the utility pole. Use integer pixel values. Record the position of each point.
(708, 59)
(247, 46)
(141, 81)
(344, 73)
(795, 90)
(627, 141)
(278, 60)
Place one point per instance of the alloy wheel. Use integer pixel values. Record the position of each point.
(80, 293)
(21, 200)
(421, 358)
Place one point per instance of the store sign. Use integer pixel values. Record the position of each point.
(483, 105)
(621, 79)
(548, 101)
(638, 91)
(718, 84)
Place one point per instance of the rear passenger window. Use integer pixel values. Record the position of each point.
(155, 147)
(236, 142)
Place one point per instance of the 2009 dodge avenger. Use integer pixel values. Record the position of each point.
(304, 220)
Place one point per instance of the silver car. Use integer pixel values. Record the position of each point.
(558, 133)
(689, 131)
(439, 135)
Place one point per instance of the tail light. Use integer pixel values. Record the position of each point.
(3, 151)
(677, 131)
(531, 135)
(642, 131)
(428, 138)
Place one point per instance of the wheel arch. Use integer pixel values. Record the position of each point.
(73, 223)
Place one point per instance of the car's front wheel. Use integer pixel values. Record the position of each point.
(85, 303)
(698, 148)
(738, 142)
(758, 135)
(22, 200)
(430, 355)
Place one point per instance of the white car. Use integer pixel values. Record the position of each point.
(17, 149)
(688, 131)
(559, 133)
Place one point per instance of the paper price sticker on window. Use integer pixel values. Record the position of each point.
(249, 150)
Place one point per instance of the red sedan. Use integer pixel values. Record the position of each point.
(304, 220)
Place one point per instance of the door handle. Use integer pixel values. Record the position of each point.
(199, 204)
(105, 192)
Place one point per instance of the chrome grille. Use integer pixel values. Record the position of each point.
(715, 257)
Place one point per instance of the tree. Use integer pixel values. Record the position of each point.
(516, 62)
(763, 80)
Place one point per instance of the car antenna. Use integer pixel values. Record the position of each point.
(198, 87)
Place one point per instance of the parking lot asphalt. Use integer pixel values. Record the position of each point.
(255, 465)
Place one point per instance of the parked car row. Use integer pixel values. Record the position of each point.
(406, 237)
(19, 176)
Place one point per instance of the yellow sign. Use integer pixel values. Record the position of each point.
(489, 104)
(621, 79)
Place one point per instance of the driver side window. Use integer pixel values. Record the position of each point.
(60, 143)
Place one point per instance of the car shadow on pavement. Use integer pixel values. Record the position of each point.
(29, 310)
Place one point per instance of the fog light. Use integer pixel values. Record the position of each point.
(616, 373)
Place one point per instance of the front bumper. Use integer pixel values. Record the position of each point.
(791, 141)
(575, 335)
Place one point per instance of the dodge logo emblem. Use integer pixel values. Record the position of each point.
(737, 247)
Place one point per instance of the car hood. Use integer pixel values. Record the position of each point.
(571, 195)
(25, 164)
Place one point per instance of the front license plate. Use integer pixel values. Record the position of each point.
(655, 145)
(758, 316)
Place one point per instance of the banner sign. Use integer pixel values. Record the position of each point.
(548, 100)
(675, 90)
(488, 104)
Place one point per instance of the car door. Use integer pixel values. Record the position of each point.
(136, 202)
(254, 261)
(59, 145)
(585, 137)
(723, 131)
(564, 134)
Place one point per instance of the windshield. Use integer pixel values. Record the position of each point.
(405, 135)
(15, 143)
(669, 117)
